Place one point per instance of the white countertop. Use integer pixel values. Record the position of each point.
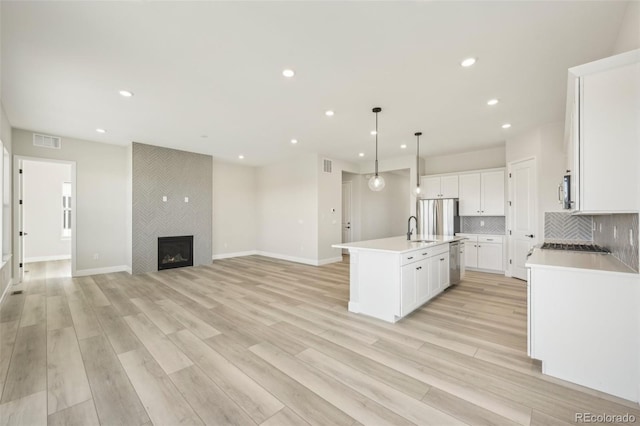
(399, 244)
(577, 260)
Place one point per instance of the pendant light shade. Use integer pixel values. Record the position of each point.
(376, 182)
(417, 190)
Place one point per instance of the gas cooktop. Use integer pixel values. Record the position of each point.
(587, 248)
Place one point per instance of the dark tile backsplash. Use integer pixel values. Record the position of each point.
(494, 225)
(620, 243)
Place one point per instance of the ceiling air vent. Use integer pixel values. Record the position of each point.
(46, 141)
(326, 166)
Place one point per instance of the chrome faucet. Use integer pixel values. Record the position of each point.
(409, 230)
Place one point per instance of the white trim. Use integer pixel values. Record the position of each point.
(6, 290)
(236, 254)
(47, 258)
(312, 262)
(98, 271)
(329, 260)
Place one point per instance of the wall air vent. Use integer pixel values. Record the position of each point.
(46, 141)
(327, 166)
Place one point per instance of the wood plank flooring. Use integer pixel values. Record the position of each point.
(258, 341)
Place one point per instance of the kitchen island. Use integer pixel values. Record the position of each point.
(391, 277)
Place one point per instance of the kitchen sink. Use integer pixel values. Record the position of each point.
(422, 241)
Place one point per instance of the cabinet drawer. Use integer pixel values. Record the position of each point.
(410, 257)
(491, 239)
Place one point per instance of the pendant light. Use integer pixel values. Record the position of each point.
(376, 182)
(417, 191)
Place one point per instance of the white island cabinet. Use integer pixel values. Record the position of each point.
(392, 277)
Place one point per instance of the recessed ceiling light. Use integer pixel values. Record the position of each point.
(288, 73)
(492, 102)
(101, 131)
(294, 141)
(506, 125)
(126, 93)
(373, 132)
(468, 62)
(241, 157)
(403, 146)
(361, 154)
(328, 113)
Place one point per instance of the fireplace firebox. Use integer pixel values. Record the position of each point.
(175, 252)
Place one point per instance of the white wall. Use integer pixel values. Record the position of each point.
(329, 211)
(288, 209)
(101, 198)
(473, 160)
(235, 216)
(384, 214)
(629, 34)
(128, 210)
(356, 202)
(42, 206)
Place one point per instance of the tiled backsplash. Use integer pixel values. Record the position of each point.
(564, 226)
(598, 229)
(494, 225)
(620, 246)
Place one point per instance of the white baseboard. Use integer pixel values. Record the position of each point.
(47, 258)
(6, 290)
(236, 254)
(329, 260)
(98, 271)
(312, 262)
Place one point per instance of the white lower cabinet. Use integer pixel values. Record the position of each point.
(484, 252)
(425, 276)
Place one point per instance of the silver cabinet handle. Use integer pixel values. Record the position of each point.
(489, 239)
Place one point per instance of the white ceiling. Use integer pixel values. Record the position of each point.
(205, 68)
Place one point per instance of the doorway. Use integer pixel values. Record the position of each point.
(45, 217)
(523, 207)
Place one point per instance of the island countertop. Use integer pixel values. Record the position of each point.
(399, 244)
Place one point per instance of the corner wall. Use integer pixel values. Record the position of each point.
(6, 271)
(159, 172)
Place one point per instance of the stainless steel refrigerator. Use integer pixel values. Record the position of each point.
(438, 216)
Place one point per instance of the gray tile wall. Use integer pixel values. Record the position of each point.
(494, 225)
(566, 227)
(620, 246)
(158, 172)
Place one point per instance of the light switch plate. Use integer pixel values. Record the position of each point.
(164, 198)
(186, 199)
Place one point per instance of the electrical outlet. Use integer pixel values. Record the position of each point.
(164, 198)
(631, 237)
(600, 226)
(593, 226)
(482, 223)
(615, 232)
(96, 256)
(186, 199)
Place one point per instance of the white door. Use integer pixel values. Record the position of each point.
(492, 194)
(449, 186)
(431, 187)
(21, 231)
(346, 213)
(469, 194)
(522, 214)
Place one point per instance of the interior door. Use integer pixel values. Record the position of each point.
(21, 229)
(522, 214)
(347, 235)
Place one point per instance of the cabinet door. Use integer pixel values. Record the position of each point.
(449, 186)
(443, 264)
(609, 145)
(434, 276)
(431, 187)
(469, 194)
(422, 281)
(471, 254)
(490, 256)
(408, 288)
(492, 194)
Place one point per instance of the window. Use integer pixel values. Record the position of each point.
(66, 210)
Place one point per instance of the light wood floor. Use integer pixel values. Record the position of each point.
(256, 341)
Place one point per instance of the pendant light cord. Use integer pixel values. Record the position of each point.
(418, 134)
(376, 144)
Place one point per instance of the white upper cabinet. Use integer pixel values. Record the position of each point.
(492, 193)
(469, 203)
(440, 186)
(482, 194)
(603, 141)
